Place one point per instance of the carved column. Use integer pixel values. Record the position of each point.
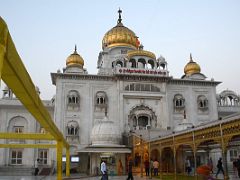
(141, 140)
(224, 143)
(161, 162)
(194, 148)
(174, 159)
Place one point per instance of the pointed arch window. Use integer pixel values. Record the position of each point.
(72, 132)
(179, 101)
(101, 99)
(73, 97)
(202, 102)
(72, 128)
(73, 100)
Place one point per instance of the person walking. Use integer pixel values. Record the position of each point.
(104, 170)
(155, 167)
(219, 167)
(130, 165)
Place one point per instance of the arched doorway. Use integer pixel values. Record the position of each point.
(184, 153)
(142, 117)
(155, 155)
(167, 160)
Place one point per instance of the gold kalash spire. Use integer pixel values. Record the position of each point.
(75, 59)
(120, 36)
(191, 67)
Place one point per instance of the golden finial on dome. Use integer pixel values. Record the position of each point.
(119, 16)
(191, 57)
(75, 59)
(191, 67)
(75, 49)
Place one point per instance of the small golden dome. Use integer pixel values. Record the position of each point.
(191, 67)
(75, 59)
(140, 52)
(120, 36)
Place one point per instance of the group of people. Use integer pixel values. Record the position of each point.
(154, 165)
(236, 166)
(151, 166)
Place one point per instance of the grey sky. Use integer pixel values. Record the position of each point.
(45, 33)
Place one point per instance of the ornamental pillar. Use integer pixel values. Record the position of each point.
(161, 162)
(59, 160)
(142, 149)
(224, 143)
(174, 159)
(194, 148)
(67, 162)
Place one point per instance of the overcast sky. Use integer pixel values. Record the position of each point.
(45, 32)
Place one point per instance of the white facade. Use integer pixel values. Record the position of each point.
(133, 91)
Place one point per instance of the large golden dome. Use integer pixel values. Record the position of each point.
(120, 36)
(191, 67)
(75, 59)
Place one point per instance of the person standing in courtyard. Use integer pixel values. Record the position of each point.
(130, 165)
(146, 165)
(36, 167)
(188, 166)
(155, 167)
(219, 167)
(120, 167)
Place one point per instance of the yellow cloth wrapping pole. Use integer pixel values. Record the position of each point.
(59, 160)
(67, 162)
(3, 42)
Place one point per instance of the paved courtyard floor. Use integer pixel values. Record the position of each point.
(83, 177)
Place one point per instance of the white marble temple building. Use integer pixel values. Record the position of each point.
(132, 91)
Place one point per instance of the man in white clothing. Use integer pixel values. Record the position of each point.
(104, 170)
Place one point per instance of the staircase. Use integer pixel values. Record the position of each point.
(16, 170)
(46, 171)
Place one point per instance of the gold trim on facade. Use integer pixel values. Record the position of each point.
(133, 53)
(121, 44)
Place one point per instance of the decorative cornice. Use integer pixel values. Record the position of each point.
(114, 77)
(194, 82)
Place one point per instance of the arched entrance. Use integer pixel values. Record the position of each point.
(184, 153)
(167, 160)
(142, 117)
(155, 155)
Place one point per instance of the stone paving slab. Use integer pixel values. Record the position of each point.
(75, 177)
